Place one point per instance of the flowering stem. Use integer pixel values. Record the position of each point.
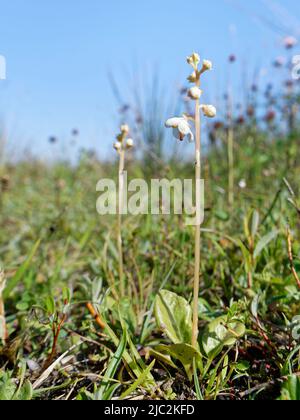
(3, 328)
(198, 226)
(230, 149)
(120, 207)
(230, 167)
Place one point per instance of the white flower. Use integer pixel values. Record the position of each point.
(129, 143)
(181, 128)
(195, 93)
(209, 111)
(207, 65)
(118, 146)
(242, 184)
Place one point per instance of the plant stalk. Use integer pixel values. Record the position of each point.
(120, 208)
(230, 144)
(195, 331)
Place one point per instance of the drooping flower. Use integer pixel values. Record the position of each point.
(118, 146)
(129, 143)
(195, 93)
(181, 128)
(209, 111)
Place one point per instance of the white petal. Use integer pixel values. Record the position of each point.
(184, 128)
(173, 122)
(191, 137)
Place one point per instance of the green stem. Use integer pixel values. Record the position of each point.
(120, 208)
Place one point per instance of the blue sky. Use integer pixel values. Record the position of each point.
(59, 53)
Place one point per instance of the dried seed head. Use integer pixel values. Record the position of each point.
(209, 111)
(195, 93)
(129, 144)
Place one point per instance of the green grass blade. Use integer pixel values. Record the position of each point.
(143, 378)
(112, 368)
(21, 271)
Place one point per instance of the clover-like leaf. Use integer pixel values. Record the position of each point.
(220, 333)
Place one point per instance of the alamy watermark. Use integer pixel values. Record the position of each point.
(2, 67)
(296, 67)
(158, 197)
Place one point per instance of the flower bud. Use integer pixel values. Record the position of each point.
(124, 129)
(193, 77)
(193, 59)
(129, 143)
(118, 146)
(209, 111)
(195, 93)
(207, 65)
